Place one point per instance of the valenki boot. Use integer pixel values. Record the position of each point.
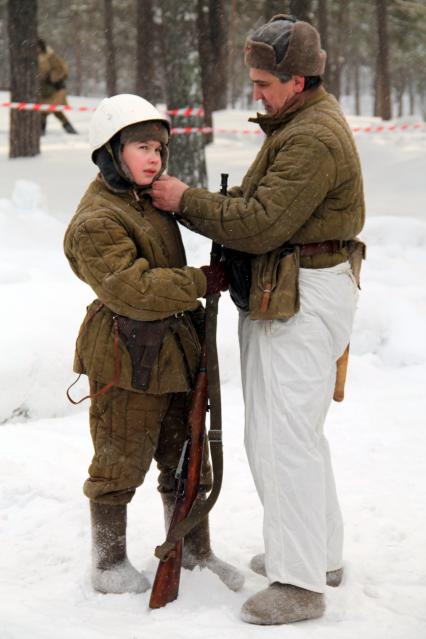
(282, 603)
(333, 577)
(197, 550)
(112, 572)
(68, 127)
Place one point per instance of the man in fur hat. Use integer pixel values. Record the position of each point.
(297, 214)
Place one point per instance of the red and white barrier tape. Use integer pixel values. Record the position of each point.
(356, 129)
(187, 111)
(35, 106)
(388, 127)
(208, 129)
(199, 111)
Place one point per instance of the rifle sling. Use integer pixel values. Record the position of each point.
(199, 510)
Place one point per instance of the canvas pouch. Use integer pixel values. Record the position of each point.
(274, 291)
(143, 341)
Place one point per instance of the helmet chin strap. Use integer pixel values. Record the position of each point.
(118, 163)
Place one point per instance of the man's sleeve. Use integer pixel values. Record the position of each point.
(293, 187)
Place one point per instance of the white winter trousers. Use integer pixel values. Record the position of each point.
(288, 375)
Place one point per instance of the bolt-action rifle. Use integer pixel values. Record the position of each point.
(166, 584)
(185, 517)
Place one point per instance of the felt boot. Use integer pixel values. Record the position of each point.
(282, 603)
(69, 128)
(197, 550)
(333, 577)
(112, 572)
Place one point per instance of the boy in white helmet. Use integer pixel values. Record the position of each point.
(132, 256)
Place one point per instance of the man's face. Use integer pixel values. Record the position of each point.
(273, 93)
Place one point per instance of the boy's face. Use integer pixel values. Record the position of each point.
(143, 159)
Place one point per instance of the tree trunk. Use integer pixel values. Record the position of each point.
(356, 71)
(400, 102)
(183, 88)
(232, 48)
(274, 7)
(111, 75)
(384, 107)
(411, 93)
(338, 52)
(213, 53)
(400, 86)
(145, 67)
(77, 26)
(24, 125)
(323, 29)
(301, 9)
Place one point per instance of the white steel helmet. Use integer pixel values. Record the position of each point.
(117, 112)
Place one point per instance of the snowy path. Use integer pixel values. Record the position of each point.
(378, 448)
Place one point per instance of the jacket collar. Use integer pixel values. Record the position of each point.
(132, 194)
(300, 102)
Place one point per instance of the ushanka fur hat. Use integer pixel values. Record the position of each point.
(144, 131)
(285, 45)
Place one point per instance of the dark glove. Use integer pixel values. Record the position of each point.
(198, 320)
(216, 278)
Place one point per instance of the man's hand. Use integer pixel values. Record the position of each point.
(167, 193)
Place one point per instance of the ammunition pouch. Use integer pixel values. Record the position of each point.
(143, 342)
(267, 286)
(274, 292)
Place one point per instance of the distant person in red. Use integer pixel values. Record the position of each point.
(52, 73)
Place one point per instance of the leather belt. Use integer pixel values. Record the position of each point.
(328, 246)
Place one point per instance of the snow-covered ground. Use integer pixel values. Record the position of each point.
(377, 435)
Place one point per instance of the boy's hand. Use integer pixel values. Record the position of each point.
(216, 278)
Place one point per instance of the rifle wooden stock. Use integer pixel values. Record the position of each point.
(341, 370)
(166, 584)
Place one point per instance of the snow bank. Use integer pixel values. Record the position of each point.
(390, 322)
(42, 304)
